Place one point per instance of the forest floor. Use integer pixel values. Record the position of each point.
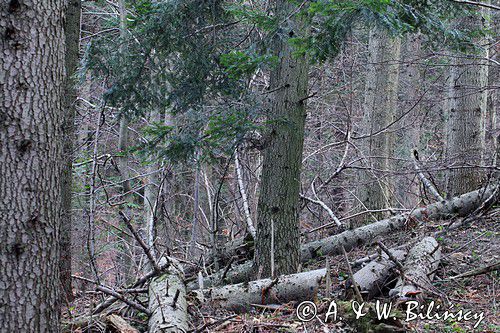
(463, 250)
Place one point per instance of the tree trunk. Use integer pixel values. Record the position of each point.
(408, 140)
(466, 113)
(419, 268)
(380, 110)
(72, 34)
(124, 258)
(31, 121)
(456, 207)
(167, 302)
(372, 278)
(278, 237)
(240, 297)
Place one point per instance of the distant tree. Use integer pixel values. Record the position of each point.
(31, 133)
(381, 95)
(466, 111)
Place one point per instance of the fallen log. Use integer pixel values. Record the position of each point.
(167, 302)
(419, 268)
(240, 297)
(373, 277)
(118, 325)
(455, 207)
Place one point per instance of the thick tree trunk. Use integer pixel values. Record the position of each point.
(419, 268)
(72, 34)
(372, 278)
(278, 238)
(380, 110)
(456, 207)
(466, 113)
(240, 297)
(31, 120)
(167, 302)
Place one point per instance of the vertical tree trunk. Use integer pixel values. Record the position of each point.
(380, 109)
(279, 193)
(409, 137)
(125, 259)
(31, 121)
(72, 33)
(466, 111)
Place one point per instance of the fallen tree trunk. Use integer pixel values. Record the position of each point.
(373, 277)
(118, 325)
(455, 207)
(167, 302)
(419, 268)
(240, 297)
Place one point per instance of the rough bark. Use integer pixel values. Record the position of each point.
(372, 278)
(419, 268)
(31, 120)
(167, 302)
(286, 288)
(379, 111)
(456, 207)
(278, 204)
(72, 37)
(466, 113)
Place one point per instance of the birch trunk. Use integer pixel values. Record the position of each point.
(31, 120)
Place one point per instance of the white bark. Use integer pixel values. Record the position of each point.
(167, 301)
(419, 268)
(240, 297)
(373, 277)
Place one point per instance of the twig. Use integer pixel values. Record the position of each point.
(351, 276)
(391, 256)
(133, 304)
(478, 271)
(424, 179)
(141, 242)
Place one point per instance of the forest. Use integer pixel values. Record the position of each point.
(249, 166)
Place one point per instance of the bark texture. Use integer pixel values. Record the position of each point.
(278, 238)
(456, 207)
(372, 278)
(419, 268)
(167, 302)
(31, 120)
(240, 297)
(466, 113)
(379, 111)
(72, 33)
